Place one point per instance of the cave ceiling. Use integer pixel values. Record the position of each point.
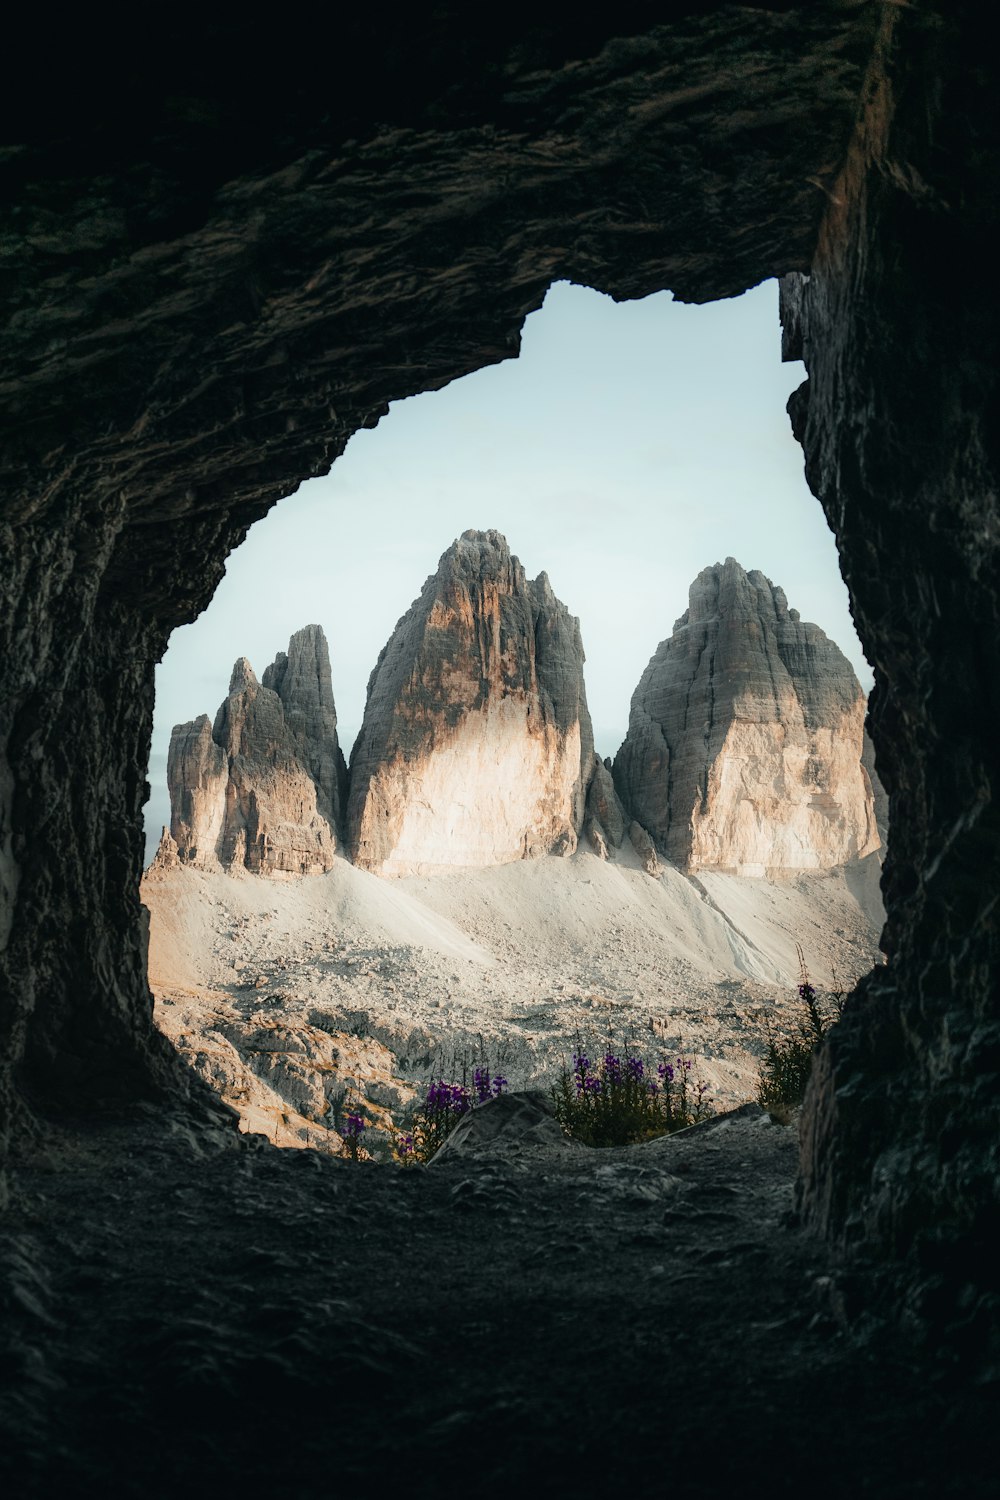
(218, 266)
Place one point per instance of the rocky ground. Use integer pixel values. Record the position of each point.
(287, 997)
(192, 1312)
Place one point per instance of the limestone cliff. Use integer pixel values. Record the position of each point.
(302, 680)
(745, 737)
(262, 788)
(476, 746)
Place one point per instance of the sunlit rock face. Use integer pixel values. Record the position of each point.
(476, 744)
(197, 777)
(261, 788)
(745, 737)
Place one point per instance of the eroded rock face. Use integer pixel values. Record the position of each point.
(604, 810)
(302, 680)
(197, 778)
(261, 788)
(645, 848)
(476, 745)
(901, 1130)
(745, 736)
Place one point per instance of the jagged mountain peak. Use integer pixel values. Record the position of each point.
(263, 787)
(745, 736)
(476, 744)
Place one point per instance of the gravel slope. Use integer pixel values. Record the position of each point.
(285, 994)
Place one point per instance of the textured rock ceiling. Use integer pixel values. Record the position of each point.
(215, 274)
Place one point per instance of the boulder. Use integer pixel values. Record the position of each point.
(506, 1126)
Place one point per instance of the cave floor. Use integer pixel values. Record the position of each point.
(189, 1312)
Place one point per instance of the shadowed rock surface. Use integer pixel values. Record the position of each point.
(880, 798)
(261, 789)
(218, 1320)
(302, 680)
(607, 819)
(744, 745)
(476, 744)
(209, 285)
(901, 1133)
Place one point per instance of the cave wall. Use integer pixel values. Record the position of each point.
(221, 263)
(899, 420)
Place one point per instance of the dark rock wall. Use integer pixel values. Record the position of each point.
(216, 273)
(880, 798)
(898, 326)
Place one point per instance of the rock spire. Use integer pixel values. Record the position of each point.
(476, 746)
(744, 745)
(262, 788)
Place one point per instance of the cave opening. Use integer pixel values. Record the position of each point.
(627, 452)
(214, 284)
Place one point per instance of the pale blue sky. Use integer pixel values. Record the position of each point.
(630, 446)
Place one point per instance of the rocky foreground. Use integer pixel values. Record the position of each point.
(189, 1312)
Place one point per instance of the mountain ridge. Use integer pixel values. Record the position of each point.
(745, 750)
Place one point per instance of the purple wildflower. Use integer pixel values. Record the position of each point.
(353, 1125)
(444, 1098)
(612, 1069)
(635, 1068)
(499, 1084)
(436, 1097)
(666, 1073)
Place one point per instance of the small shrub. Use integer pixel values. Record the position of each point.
(444, 1105)
(784, 1072)
(622, 1101)
(351, 1129)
